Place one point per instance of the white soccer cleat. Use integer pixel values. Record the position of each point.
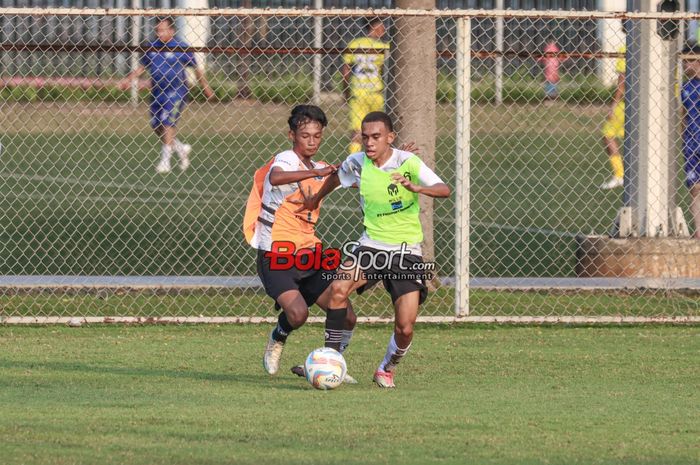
(272, 355)
(349, 379)
(163, 167)
(185, 156)
(613, 183)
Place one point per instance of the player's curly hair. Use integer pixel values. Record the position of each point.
(302, 114)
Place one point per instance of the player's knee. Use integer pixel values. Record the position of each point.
(404, 330)
(297, 317)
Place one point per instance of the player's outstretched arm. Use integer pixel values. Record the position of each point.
(280, 177)
(202, 80)
(125, 83)
(312, 202)
(438, 190)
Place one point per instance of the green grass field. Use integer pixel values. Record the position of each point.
(466, 395)
(254, 303)
(79, 194)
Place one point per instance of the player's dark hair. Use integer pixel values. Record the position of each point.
(302, 114)
(379, 117)
(168, 19)
(372, 22)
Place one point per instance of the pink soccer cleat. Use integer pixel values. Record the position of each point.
(384, 379)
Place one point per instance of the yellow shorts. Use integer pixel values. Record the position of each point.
(360, 105)
(614, 126)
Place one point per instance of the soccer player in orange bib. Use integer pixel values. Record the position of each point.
(283, 236)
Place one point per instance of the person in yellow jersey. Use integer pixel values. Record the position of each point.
(362, 77)
(614, 127)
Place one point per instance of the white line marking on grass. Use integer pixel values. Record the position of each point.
(116, 185)
(223, 196)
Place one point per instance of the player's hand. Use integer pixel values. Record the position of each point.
(408, 185)
(309, 203)
(209, 94)
(409, 147)
(325, 171)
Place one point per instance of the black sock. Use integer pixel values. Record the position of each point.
(282, 329)
(335, 322)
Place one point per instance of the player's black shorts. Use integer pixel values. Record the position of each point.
(310, 283)
(391, 277)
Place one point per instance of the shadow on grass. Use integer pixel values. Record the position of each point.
(260, 380)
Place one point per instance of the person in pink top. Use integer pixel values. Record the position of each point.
(551, 63)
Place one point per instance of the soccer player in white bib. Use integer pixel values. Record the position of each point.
(390, 181)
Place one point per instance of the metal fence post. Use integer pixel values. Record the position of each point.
(462, 167)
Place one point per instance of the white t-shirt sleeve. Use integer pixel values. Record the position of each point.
(350, 170)
(427, 177)
(287, 161)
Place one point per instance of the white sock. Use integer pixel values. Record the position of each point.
(393, 355)
(345, 342)
(179, 146)
(165, 153)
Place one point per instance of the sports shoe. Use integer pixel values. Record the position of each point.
(299, 371)
(613, 183)
(163, 167)
(384, 379)
(185, 156)
(272, 355)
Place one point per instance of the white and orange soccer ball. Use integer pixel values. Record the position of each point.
(325, 368)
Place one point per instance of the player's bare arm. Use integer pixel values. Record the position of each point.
(619, 93)
(125, 83)
(439, 190)
(202, 80)
(279, 177)
(313, 201)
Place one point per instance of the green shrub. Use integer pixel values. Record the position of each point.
(285, 89)
(225, 92)
(298, 88)
(522, 93)
(446, 89)
(587, 94)
(24, 94)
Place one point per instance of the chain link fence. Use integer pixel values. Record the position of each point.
(91, 229)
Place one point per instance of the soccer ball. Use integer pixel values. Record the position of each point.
(325, 368)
